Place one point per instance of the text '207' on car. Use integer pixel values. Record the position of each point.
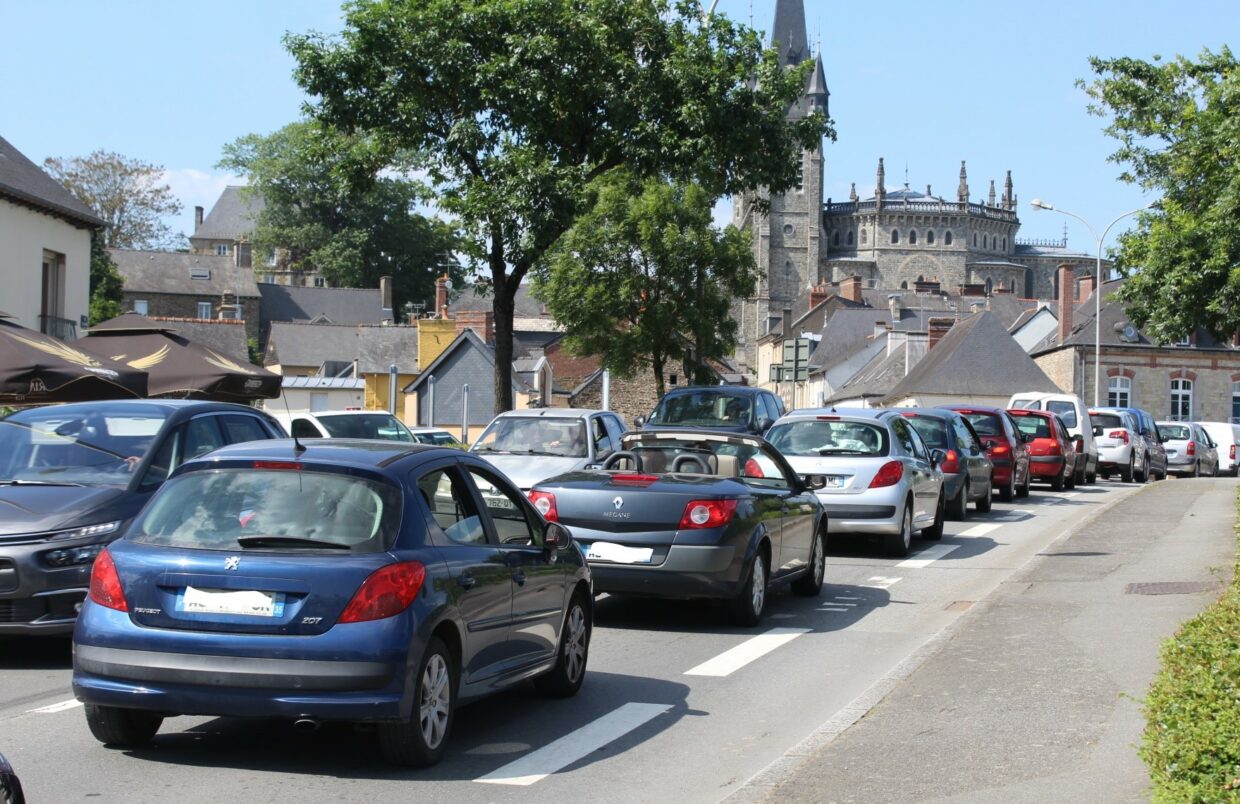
(684, 513)
(334, 580)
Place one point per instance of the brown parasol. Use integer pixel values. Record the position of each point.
(38, 369)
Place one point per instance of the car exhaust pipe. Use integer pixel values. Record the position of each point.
(306, 724)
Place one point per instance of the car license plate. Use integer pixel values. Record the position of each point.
(227, 601)
(618, 553)
(834, 481)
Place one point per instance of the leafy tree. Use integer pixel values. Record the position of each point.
(318, 215)
(519, 105)
(1178, 125)
(642, 271)
(105, 282)
(127, 193)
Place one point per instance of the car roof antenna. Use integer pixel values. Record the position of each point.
(298, 447)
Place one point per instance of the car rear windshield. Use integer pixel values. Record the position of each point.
(1106, 420)
(986, 424)
(819, 437)
(90, 445)
(1175, 432)
(1036, 426)
(932, 430)
(265, 509)
(534, 435)
(382, 426)
(704, 409)
(1066, 411)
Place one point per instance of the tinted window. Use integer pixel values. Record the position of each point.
(986, 424)
(239, 509)
(1066, 411)
(904, 436)
(1107, 420)
(238, 428)
(202, 435)
(600, 436)
(964, 438)
(382, 426)
(818, 437)
(932, 431)
(452, 506)
(304, 428)
(507, 510)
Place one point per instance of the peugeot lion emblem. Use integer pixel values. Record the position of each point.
(618, 503)
(232, 562)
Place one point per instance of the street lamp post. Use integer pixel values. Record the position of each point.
(1038, 203)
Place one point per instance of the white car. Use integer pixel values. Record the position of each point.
(370, 424)
(1075, 418)
(532, 445)
(1227, 437)
(1120, 446)
(435, 435)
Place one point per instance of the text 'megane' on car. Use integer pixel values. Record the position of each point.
(332, 580)
(73, 476)
(680, 513)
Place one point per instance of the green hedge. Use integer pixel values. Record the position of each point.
(1192, 733)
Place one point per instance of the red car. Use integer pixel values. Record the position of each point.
(1052, 452)
(1004, 445)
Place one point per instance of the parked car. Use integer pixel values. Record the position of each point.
(10, 785)
(694, 514)
(1121, 447)
(375, 424)
(72, 477)
(733, 408)
(1227, 437)
(1151, 462)
(1004, 445)
(329, 584)
(1075, 416)
(966, 469)
(1052, 452)
(1190, 450)
(435, 435)
(880, 477)
(533, 445)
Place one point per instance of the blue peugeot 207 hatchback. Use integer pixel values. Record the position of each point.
(336, 580)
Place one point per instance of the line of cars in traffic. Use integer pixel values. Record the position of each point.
(374, 579)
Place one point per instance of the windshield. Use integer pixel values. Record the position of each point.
(238, 509)
(382, 426)
(81, 444)
(1066, 411)
(986, 424)
(704, 408)
(534, 435)
(1174, 432)
(816, 437)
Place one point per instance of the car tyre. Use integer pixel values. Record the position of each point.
(1057, 483)
(1197, 469)
(897, 544)
(810, 584)
(935, 531)
(420, 740)
(749, 605)
(985, 501)
(569, 672)
(1069, 482)
(1128, 472)
(1008, 492)
(1023, 491)
(1091, 478)
(122, 728)
(958, 508)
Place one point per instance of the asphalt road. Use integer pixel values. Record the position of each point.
(677, 706)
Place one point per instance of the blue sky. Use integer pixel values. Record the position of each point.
(920, 84)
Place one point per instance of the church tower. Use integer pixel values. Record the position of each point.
(788, 242)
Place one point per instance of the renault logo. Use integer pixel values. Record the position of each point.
(232, 562)
(618, 503)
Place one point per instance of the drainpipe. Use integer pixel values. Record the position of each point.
(430, 402)
(392, 389)
(465, 413)
(606, 389)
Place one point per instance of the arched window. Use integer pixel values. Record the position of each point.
(947, 238)
(930, 237)
(1005, 244)
(864, 237)
(835, 241)
(985, 242)
(850, 237)
(1181, 400)
(895, 235)
(1119, 392)
(904, 286)
(975, 240)
(912, 237)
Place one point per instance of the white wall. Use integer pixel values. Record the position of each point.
(24, 235)
(299, 399)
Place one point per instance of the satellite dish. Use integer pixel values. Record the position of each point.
(1129, 334)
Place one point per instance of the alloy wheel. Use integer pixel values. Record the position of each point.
(436, 697)
(818, 560)
(575, 646)
(758, 586)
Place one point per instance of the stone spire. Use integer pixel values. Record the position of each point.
(1009, 200)
(852, 193)
(788, 34)
(962, 191)
(880, 192)
(817, 93)
(990, 201)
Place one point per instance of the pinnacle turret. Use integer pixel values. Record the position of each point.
(962, 191)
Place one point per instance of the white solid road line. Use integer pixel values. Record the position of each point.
(732, 660)
(925, 558)
(573, 746)
(980, 529)
(56, 707)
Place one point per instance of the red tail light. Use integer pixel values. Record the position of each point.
(105, 584)
(1122, 435)
(888, 475)
(702, 514)
(545, 503)
(951, 463)
(1000, 449)
(386, 592)
(752, 469)
(633, 480)
(1192, 448)
(284, 466)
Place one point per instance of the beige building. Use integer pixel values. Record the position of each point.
(44, 248)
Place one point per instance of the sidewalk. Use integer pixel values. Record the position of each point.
(1037, 696)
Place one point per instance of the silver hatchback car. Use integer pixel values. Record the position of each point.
(881, 478)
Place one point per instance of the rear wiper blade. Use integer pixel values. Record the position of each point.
(288, 541)
(21, 482)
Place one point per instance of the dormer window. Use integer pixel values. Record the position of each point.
(199, 273)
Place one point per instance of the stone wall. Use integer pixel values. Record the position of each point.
(1060, 366)
(176, 305)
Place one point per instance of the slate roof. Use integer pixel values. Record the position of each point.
(374, 347)
(1007, 306)
(977, 357)
(169, 272)
(843, 334)
(235, 213)
(345, 306)
(466, 338)
(526, 341)
(225, 337)
(25, 182)
(876, 379)
(524, 304)
(1029, 250)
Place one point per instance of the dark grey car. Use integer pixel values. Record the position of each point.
(967, 472)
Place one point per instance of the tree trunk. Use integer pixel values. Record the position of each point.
(656, 363)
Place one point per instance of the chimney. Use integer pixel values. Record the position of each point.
(881, 328)
(787, 322)
(1087, 287)
(481, 322)
(1066, 302)
(385, 294)
(197, 218)
(850, 288)
(441, 296)
(938, 327)
(896, 340)
(819, 294)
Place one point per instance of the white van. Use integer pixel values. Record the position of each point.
(1227, 436)
(1075, 417)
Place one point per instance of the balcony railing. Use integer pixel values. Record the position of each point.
(62, 328)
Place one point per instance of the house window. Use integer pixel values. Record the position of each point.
(947, 238)
(835, 241)
(221, 249)
(1235, 402)
(319, 282)
(975, 240)
(895, 235)
(1183, 341)
(912, 237)
(1119, 392)
(204, 309)
(930, 237)
(1181, 400)
(141, 306)
(850, 237)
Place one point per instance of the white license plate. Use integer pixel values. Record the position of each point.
(608, 551)
(834, 481)
(227, 601)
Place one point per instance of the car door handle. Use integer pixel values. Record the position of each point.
(466, 581)
(519, 577)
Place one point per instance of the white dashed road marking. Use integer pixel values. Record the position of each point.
(540, 764)
(880, 582)
(732, 660)
(56, 707)
(980, 529)
(928, 556)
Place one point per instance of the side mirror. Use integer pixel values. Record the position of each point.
(764, 423)
(638, 422)
(556, 537)
(815, 482)
(937, 456)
